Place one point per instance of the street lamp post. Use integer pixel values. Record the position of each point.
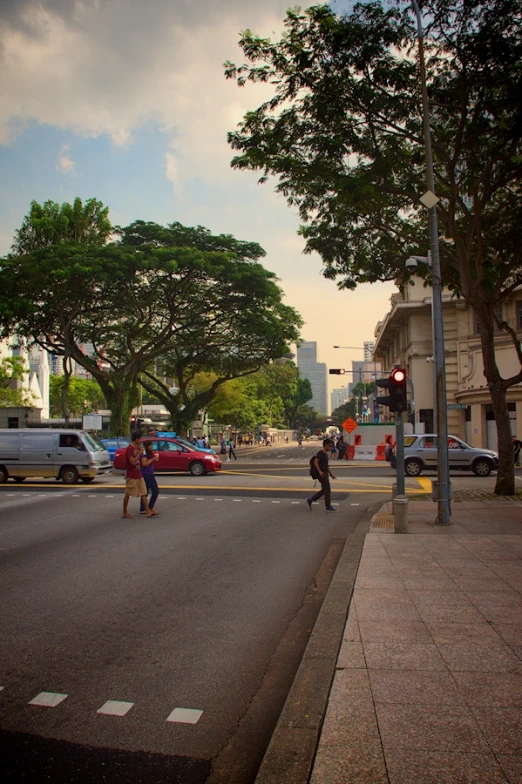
(430, 200)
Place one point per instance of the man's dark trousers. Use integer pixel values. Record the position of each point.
(325, 490)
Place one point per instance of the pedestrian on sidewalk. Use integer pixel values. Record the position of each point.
(147, 460)
(342, 446)
(517, 446)
(323, 469)
(134, 483)
(231, 449)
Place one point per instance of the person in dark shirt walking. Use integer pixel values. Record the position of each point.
(517, 446)
(323, 469)
(147, 461)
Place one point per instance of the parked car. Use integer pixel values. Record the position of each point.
(420, 454)
(112, 444)
(174, 456)
(68, 455)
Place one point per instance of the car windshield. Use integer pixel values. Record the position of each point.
(93, 442)
(186, 443)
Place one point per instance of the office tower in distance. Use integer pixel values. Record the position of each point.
(316, 374)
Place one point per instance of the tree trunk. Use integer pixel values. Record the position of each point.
(505, 484)
(67, 373)
(121, 398)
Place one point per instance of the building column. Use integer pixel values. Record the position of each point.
(478, 436)
(518, 426)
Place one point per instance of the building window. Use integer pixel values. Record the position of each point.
(496, 328)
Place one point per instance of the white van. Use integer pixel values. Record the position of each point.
(68, 455)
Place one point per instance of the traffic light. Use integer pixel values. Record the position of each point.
(386, 400)
(337, 371)
(399, 402)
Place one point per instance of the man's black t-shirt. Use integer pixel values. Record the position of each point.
(322, 458)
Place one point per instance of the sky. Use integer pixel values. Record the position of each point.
(126, 101)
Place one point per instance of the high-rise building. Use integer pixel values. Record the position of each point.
(338, 397)
(368, 346)
(316, 374)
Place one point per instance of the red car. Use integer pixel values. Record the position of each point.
(174, 456)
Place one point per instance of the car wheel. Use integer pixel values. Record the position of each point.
(87, 480)
(413, 467)
(69, 475)
(19, 479)
(3, 475)
(481, 468)
(197, 468)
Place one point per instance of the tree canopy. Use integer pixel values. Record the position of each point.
(343, 135)
(51, 223)
(13, 369)
(150, 311)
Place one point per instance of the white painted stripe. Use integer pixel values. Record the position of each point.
(92, 495)
(255, 501)
(199, 498)
(2, 688)
(276, 502)
(294, 502)
(237, 500)
(218, 499)
(76, 495)
(48, 699)
(181, 497)
(354, 504)
(185, 715)
(115, 708)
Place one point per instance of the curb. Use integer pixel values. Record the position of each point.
(291, 752)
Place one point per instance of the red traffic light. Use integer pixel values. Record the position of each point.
(398, 375)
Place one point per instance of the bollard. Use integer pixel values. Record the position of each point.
(400, 511)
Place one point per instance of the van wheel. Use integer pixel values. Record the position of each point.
(87, 480)
(413, 467)
(197, 468)
(19, 479)
(3, 475)
(69, 475)
(481, 468)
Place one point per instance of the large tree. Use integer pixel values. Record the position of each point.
(343, 133)
(150, 313)
(14, 369)
(50, 223)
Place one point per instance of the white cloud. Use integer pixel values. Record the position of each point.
(65, 163)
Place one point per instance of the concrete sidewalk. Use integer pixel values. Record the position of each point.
(427, 688)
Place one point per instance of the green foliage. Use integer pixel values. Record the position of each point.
(13, 369)
(154, 313)
(51, 223)
(83, 396)
(343, 135)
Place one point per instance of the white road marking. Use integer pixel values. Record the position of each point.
(185, 715)
(218, 499)
(294, 502)
(48, 699)
(181, 497)
(115, 708)
(276, 502)
(199, 498)
(354, 504)
(237, 500)
(254, 501)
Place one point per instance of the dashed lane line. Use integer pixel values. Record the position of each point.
(120, 708)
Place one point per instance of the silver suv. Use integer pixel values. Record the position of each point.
(420, 454)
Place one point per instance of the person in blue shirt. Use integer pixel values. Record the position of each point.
(147, 460)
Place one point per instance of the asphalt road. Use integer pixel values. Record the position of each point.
(206, 608)
(187, 624)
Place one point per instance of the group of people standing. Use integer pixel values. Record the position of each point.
(139, 477)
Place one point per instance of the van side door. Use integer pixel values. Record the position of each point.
(36, 454)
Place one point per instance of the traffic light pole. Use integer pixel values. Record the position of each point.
(399, 453)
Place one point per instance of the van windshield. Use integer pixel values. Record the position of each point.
(93, 442)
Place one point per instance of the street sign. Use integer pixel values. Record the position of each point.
(459, 406)
(349, 425)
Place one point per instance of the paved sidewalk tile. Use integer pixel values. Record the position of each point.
(428, 686)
